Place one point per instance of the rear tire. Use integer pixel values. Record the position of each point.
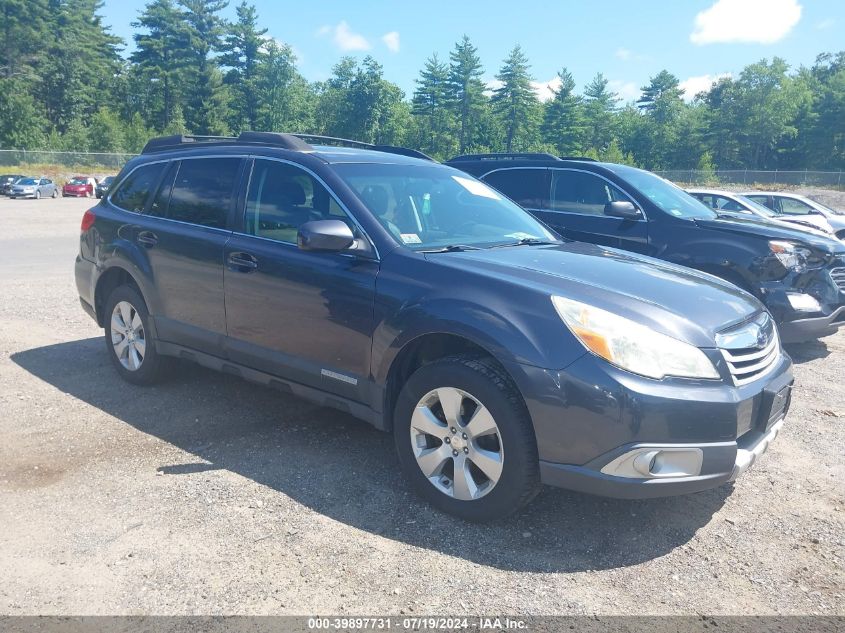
(476, 442)
(55, 194)
(129, 341)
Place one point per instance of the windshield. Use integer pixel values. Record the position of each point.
(78, 181)
(668, 197)
(430, 208)
(107, 180)
(27, 181)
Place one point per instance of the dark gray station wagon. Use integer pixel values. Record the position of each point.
(413, 296)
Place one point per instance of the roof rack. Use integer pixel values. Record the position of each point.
(504, 156)
(295, 142)
(345, 142)
(274, 139)
(586, 159)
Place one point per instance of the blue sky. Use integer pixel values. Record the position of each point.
(697, 40)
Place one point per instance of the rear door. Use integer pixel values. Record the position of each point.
(182, 234)
(577, 202)
(302, 315)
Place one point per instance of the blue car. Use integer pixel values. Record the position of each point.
(413, 296)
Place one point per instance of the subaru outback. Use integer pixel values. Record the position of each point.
(415, 297)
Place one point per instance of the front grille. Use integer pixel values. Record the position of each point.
(751, 350)
(838, 276)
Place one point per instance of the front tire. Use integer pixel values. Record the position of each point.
(38, 195)
(129, 341)
(465, 440)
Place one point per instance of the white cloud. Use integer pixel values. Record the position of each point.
(623, 53)
(344, 37)
(546, 89)
(825, 24)
(747, 21)
(391, 40)
(693, 85)
(626, 90)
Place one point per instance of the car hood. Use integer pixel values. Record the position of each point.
(763, 228)
(678, 301)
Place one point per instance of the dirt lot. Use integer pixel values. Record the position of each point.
(212, 495)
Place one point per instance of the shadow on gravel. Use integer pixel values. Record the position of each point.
(346, 470)
(805, 352)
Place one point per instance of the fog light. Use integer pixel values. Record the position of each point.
(803, 302)
(656, 462)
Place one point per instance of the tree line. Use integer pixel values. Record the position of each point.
(65, 85)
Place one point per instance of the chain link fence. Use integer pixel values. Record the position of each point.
(12, 157)
(752, 177)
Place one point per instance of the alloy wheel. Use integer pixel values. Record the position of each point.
(457, 443)
(128, 336)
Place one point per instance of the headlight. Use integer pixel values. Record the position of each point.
(792, 257)
(632, 346)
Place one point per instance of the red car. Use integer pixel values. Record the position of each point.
(80, 186)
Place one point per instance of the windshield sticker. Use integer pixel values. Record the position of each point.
(519, 235)
(411, 238)
(477, 188)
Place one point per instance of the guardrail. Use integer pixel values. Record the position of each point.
(751, 177)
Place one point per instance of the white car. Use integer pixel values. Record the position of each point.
(793, 205)
(730, 203)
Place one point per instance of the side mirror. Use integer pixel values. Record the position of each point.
(623, 209)
(324, 235)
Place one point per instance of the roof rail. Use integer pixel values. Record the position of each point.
(286, 141)
(586, 159)
(345, 142)
(295, 142)
(504, 156)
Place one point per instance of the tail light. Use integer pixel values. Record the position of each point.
(87, 220)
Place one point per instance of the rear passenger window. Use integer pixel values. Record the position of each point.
(135, 189)
(282, 198)
(580, 192)
(203, 190)
(527, 187)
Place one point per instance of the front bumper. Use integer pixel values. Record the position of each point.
(22, 194)
(797, 326)
(590, 417)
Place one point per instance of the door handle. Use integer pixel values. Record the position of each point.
(242, 262)
(147, 238)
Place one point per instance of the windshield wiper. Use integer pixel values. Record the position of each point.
(525, 241)
(453, 248)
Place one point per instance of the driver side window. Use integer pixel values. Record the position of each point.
(790, 206)
(580, 192)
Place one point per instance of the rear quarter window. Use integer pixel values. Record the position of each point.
(133, 192)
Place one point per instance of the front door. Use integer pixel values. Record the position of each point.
(301, 315)
(577, 203)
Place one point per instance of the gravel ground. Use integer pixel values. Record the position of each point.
(209, 495)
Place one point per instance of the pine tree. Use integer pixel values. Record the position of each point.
(466, 91)
(430, 105)
(515, 101)
(599, 108)
(23, 33)
(563, 121)
(160, 58)
(82, 57)
(243, 55)
(207, 108)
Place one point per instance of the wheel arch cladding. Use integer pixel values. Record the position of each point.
(112, 278)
